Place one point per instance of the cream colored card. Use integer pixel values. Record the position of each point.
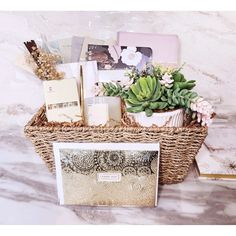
(71, 71)
(107, 174)
(112, 75)
(90, 75)
(113, 106)
(62, 100)
(98, 114)
(65, 49)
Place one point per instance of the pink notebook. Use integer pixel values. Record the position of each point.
(165, 47)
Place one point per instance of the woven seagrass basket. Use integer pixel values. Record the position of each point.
(179, 146)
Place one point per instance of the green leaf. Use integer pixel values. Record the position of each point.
(175, 100)
(193, 95)
(187, 96)
(176, 91)
(132, 96)
(190, 86)
(168, 92)
(184, 85)
(134, 89)
(135, 109)
(163, 98)
(158, 92)
(177, 77)
(162, 105)
(184, 92)
(182, 78)
(151, 84)
(182, 103)
(188, 104)
(154, 105)
(191, 81)
(148, 112)
(144, 86)
(145, 104)
(133, 102)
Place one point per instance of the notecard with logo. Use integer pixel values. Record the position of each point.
(61, 105)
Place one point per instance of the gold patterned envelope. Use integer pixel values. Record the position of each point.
(107, 174)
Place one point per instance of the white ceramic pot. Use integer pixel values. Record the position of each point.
(164, 119)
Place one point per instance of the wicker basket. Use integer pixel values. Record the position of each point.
(179, 146)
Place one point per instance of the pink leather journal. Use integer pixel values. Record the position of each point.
(165, 47)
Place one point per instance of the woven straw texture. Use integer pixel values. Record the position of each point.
(179, 146)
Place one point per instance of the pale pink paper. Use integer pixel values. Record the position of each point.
(165, 47)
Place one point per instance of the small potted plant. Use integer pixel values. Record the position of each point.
(159, 96)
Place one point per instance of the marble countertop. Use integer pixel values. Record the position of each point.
(28, 192)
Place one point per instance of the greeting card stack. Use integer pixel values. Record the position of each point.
(216, 164)
(107, 109)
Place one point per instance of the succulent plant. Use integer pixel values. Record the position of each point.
(143, 95)
(114, 90)
(147, 95)
(181, 82)
(175, 98)
(149, 92)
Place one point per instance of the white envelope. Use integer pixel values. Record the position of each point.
(90, 75)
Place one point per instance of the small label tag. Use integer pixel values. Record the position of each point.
(109, 177)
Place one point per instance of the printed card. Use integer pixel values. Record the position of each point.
(113, 57)
(86, 42)
(62, 100)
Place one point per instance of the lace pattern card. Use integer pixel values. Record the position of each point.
(107, 174)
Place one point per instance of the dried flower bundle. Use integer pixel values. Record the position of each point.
(46, 62)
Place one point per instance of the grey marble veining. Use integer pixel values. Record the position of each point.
(28, 194)
(28, 190)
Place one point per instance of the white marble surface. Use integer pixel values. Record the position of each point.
(28, 190)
